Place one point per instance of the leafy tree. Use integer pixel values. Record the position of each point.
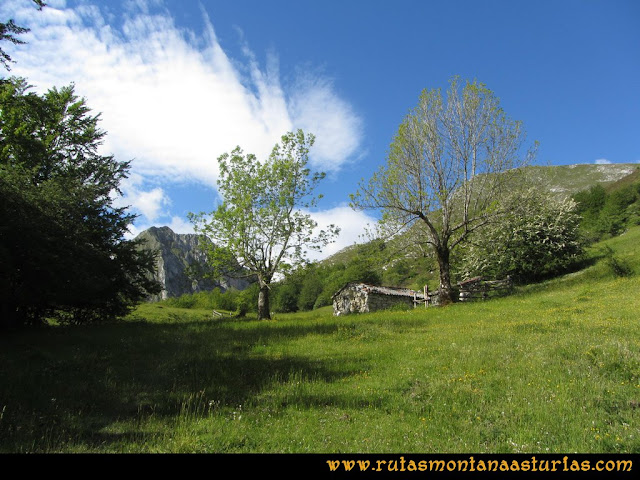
(9, 30)
(286, 297)
(247, 300)
(261, 222)
(590, 202)
(310, 290)
(589, 205)
(538, 238)
(332, 281)
(361, 270)
(62, 251)
(448, 168)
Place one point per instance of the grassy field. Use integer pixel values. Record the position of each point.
(553, 368)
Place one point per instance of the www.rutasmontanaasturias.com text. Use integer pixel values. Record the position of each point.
(564, 464)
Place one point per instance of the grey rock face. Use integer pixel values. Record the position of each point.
(179, 258)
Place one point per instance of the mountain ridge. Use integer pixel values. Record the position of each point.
(181, 263)
(571, 179)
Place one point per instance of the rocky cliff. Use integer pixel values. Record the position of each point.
(181, 263)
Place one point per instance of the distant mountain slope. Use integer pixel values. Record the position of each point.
(570, 179)
(179, 259)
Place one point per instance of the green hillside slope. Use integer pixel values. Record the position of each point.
(554, 368)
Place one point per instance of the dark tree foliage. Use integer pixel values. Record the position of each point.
(62, 252)
(606, 214)
(286, 298)
(312, 285)
(8, 32)
(310, 289)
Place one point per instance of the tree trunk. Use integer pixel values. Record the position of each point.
(446, 291)
(263, 303)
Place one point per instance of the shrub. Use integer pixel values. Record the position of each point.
(311, 289)
(285, 298)
(538, 238)
(619, 267)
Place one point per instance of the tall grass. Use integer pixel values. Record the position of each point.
(553, 368)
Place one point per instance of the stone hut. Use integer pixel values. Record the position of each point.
(361, 297)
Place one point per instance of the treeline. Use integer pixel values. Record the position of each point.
(231, 300)
(609, 212)
(543, 236)
(309, 287)
(376, 262)
(313, 285)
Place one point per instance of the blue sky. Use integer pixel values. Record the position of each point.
(180, 82)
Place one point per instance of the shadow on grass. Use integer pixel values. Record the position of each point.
(71, 384)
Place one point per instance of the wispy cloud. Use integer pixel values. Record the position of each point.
(312, 103)
(175, 223)
(602, 161)
(151, 203)
(172, 100)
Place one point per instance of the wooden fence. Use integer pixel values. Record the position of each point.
(479, 289)
(425, 298)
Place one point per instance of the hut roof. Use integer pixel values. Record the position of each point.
(396, 291)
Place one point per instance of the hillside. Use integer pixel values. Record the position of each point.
(397, 263)
(554, 368)
(562, 179)
(570, 179)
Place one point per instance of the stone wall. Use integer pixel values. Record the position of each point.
(361, 298)
(350, 300)
(384, 302)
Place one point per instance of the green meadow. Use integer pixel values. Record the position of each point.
(555, 367)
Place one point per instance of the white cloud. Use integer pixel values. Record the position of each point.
(602, 161)
(177, 224)
(352, 224)
(312, 103)
(172, 100)
(181, 225)
(150, 203)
